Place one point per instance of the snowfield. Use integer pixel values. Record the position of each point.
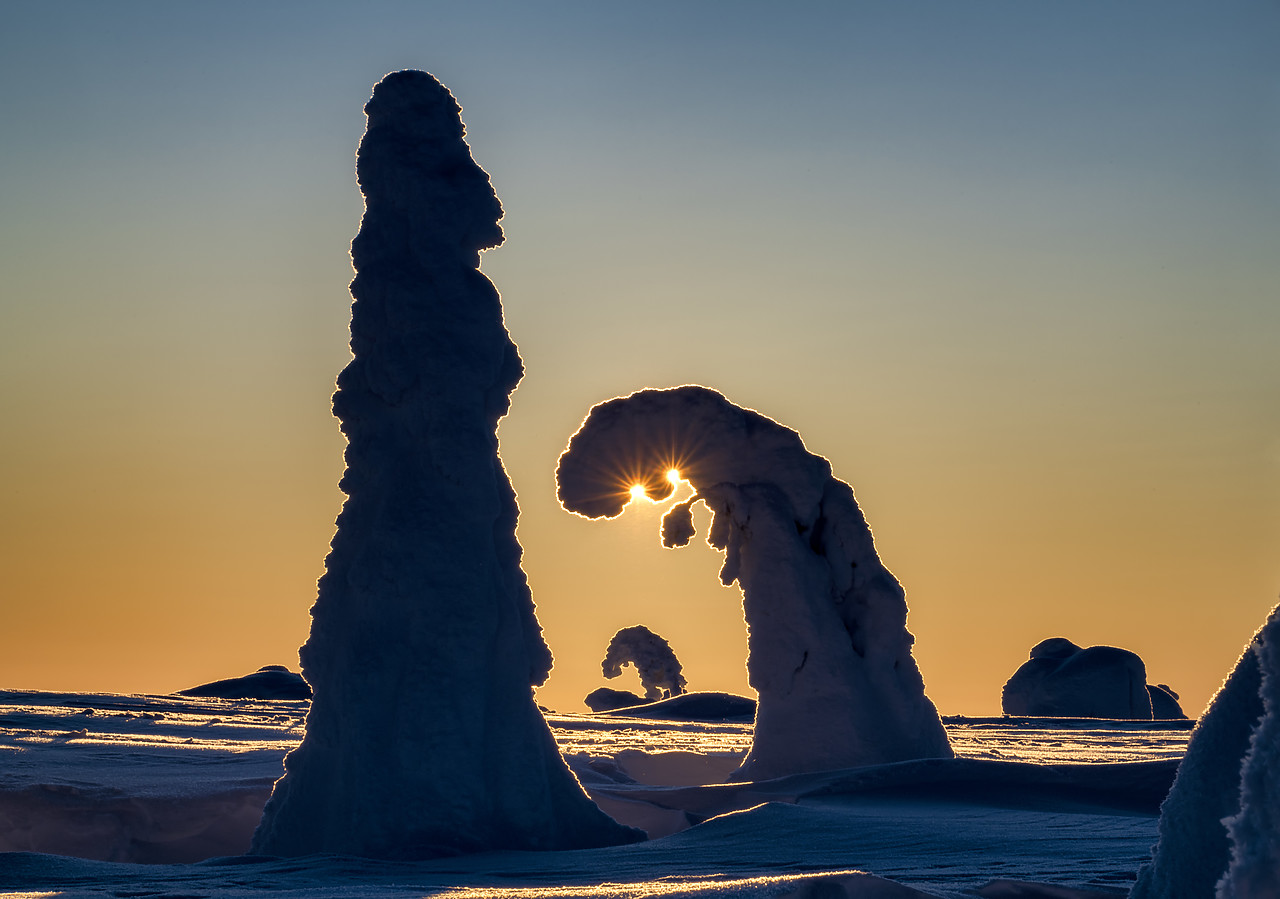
(110, 795)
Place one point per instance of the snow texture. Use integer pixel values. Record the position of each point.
(1063, 680)
(829, 651)
(1255, 830)
(423, 738)
(657, 665)
(1194, 849)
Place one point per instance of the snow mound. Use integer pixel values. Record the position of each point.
(268, 682)
(606, 700)
(700, 706)
(829, 651)
(423, 739)
(1063, 680)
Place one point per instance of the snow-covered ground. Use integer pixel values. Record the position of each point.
(112, 795)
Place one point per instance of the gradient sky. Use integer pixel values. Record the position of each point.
(1012, 267)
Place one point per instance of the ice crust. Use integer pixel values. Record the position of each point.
(658, 667)
(829, 651)
(1219, 832)
(1063, 680)
(423, 738)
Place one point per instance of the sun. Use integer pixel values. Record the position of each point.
(673, 475)
(638, 491)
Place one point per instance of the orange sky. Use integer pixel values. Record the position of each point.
(1011, 270)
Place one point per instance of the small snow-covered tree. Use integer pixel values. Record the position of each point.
(657, 665)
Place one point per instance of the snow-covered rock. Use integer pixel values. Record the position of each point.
(1063, 680)
(423, 738)
(829, 651)
(1221, 819)
(658, 667)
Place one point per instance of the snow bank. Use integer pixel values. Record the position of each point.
(830, 654)
(115, 825)
(423, 738)
(677, 768)
(1195, 849)
(1063, 680)
(658, 667)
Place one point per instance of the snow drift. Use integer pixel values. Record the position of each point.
(1220, 824)
(423, 738)
(1063, 680)
(699, 706)
(829, 650)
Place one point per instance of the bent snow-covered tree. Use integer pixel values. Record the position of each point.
(423, 738)
(829, 651)
(658, 667)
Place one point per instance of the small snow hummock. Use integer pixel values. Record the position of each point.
(1063, 680)
(829, 651)
(423, 738)
(1220, 824)
(658, 667)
